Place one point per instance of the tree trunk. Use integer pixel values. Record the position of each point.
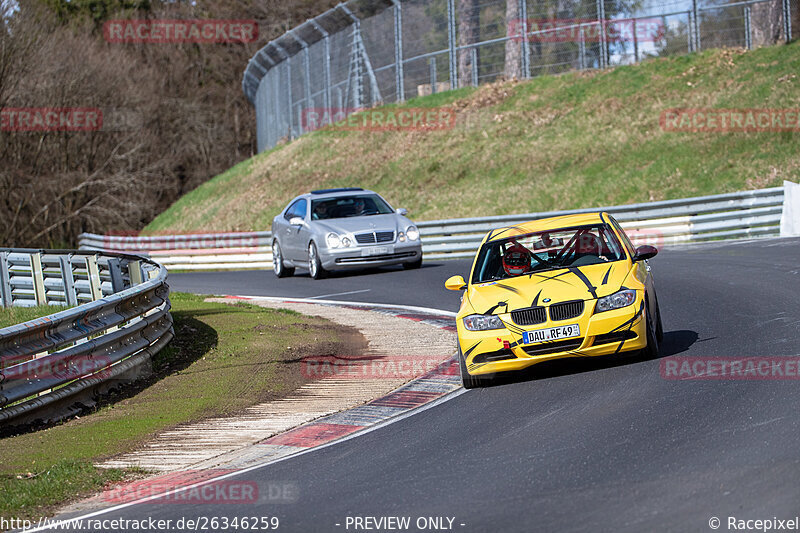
(468, 33)
(766, 23)
(513, 68)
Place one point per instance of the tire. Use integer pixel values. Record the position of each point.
(314, 264)
(659, 326)
(469, 381)
(281, 270)
(413, 266)
(651, 351)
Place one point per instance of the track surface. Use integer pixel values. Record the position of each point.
(573, 446)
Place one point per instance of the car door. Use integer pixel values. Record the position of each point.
(293, 236)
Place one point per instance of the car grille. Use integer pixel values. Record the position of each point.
(566, 310)
(375, 236)
(529, 317)
(553, 347)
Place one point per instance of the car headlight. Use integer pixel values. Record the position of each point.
(333, 240)
(483, 322)
(617, 300)
(412, 233)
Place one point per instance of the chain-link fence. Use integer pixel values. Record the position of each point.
(365, 52)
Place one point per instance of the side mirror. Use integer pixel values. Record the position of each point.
(455, 283)
(402, 211)
(296, 221)
(645, 252)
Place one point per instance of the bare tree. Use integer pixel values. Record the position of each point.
(513, 62)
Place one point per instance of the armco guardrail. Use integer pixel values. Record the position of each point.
(724, 216)
(121, 320)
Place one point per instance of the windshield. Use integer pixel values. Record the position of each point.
(546, 250)
(349, 206)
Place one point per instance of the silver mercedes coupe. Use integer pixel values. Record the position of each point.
(342, 229)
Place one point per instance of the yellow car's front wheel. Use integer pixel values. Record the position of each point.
(469, 381)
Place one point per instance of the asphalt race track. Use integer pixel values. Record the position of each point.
(598, 445)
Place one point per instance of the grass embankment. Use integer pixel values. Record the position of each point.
(17, 315)
(224, 358)
(556, 142)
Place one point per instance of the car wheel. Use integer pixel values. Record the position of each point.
(469, 381)
(278, 267)
(651, 351)
(413, 266)
(314, 264)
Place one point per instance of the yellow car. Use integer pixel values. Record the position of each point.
(569, 286)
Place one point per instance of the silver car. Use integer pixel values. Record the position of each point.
(341, 229)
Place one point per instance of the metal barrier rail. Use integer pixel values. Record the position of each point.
(125, 321)
(725, 216)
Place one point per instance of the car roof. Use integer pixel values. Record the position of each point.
(548, 224)
(333, 193)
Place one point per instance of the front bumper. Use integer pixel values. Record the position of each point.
(371, 255)
(501, 350)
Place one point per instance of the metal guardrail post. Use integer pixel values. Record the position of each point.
(398, 52)
(451, 43)
(68, 278)
(115, 270)
(93, 273)
(37, 275)
(5, 281)
(135, 272)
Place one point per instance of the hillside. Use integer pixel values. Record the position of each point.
(556, 142)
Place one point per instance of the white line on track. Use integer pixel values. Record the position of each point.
(67, 522)
(338, 294)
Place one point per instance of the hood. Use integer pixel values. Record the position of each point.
(363, 224)
(574, 283)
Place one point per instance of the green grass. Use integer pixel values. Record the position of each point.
(580, 139)
(17, 315)
(224, 358)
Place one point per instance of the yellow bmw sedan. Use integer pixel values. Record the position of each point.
(569, 286)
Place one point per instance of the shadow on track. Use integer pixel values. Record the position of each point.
(674, 342)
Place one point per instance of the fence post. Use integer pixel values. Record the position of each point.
(288, 63)
(451, 43)
(473, 53)
(787, 20)
(601, 10)
(93, 273)
(307, 76)
(5, 281)
(748, 43)
(581, 48)
(526, 53)
(398, 51)
(68, 278)
(326, 68)
(37, 275)
(434, 75)
(635, 42)
(695, 14)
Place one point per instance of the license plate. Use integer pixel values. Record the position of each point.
(375, 250)
(551, 334)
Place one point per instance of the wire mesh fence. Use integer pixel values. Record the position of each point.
(366, 52)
